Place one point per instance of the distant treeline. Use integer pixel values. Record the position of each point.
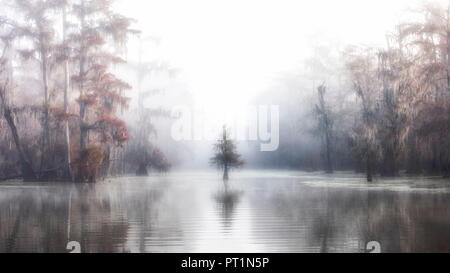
(373, 110)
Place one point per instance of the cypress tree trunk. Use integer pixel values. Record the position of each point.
(329, 168)
(83, 53)
(369, 168)
(45, 157)
(413, 165)
(26, 168)
(225, 173)
(67, 170)
(142, 170)
(28, 173)
(447, 170)
(389, 167)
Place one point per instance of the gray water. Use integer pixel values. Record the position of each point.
(258, 212)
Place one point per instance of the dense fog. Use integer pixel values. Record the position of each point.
(100, 88)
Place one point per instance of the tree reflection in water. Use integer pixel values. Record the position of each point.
(261, 212)
(227, 200)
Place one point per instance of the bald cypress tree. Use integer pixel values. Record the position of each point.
(33, 23)
(226, 157)
(95, 30)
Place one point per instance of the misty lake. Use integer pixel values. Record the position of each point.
(262, 211)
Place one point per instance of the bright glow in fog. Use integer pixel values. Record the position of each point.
(255, 123)
(230, 51)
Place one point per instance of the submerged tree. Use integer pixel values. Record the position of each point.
(226, 157)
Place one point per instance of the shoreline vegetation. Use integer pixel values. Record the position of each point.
(403, 176)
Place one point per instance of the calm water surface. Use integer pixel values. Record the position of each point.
(259, 212)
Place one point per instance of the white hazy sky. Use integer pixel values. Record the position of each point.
(227, 49)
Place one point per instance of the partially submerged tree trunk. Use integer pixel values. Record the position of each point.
(225, 173)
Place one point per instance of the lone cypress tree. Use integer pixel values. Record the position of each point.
(226, 156)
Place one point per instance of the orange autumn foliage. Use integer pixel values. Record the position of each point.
(86, 164)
